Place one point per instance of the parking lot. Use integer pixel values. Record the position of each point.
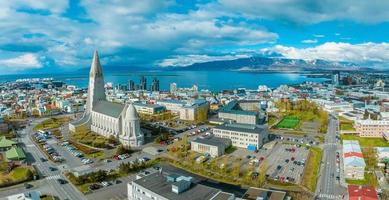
(286, 163)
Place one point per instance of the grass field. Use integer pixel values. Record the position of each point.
(312, 169)
(347, 127)
(288, 123)
(370, 179)
(52, 123)
(90, 138)
(17, 175)
(367, 142)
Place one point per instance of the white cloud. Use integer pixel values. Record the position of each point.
(308, 11)
(318, 35)
(332, 51)
(185, 60)
(25, 61)
(309, 41)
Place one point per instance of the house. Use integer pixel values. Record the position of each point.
(356, 192)
(6, 144)
(15, 153)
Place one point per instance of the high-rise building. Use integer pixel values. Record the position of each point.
(131, 85)
(143, 83)
(155, 85)
(335, 78)
(173, 88)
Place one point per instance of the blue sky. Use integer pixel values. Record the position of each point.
(54, 36)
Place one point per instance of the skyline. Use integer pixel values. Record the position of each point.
(61, 35)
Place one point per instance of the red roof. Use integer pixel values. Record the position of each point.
(356, 192)
(351, 154)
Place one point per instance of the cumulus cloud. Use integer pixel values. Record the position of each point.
(309, 41)
(308, 11)
(22, 62)
(185, 60)
(337, 51)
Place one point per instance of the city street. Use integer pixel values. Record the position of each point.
(47, 184)
(328, 187)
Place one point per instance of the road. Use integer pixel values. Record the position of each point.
(328, 187)
(48, 183)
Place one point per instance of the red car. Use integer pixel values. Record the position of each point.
(261, 158)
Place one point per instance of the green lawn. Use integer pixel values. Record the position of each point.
(288, 122)
(367, 142)
(19, 173)
(347, 127)
(312, 168)
(52, 123)
(370, 179)
(98, 154)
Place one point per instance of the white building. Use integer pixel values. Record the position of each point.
(247, 136)
(354, 164)
(159, 186)
(149, 109)
(195, 111)
(214, 146)
(371, 128)
(172, 105)
(108, 118)
(382, 153)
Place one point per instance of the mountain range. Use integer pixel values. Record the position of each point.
(251, 64)
(254, 64)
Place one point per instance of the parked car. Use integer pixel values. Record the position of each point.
(62, 181)
(27, 186)
(105, 183)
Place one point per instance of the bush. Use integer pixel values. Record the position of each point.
(122, 150)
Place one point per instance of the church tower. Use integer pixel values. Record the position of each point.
(131, 134)
(96, 91)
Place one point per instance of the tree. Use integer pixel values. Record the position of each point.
(262, 173)
(122, 150)
(235, 172)
(112, 140)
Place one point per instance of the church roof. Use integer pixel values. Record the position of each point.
(109, 108)
(95, 69)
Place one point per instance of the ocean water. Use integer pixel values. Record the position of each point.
(211, 80)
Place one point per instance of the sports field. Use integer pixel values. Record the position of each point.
(288, 122)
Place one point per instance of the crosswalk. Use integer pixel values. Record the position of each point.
(53, 177)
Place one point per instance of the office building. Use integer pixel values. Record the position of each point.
(371, 128)
(131, 85)
(264, 194)
(214, 146)
(143, 83)
(245, 112)
(247, 136)
(155, 85)
(172, 105)
(157, 186)
(196, 110)
(149, 109)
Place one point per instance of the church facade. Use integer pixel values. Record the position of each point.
(107, 118)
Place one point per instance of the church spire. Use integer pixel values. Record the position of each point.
(95, 69)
